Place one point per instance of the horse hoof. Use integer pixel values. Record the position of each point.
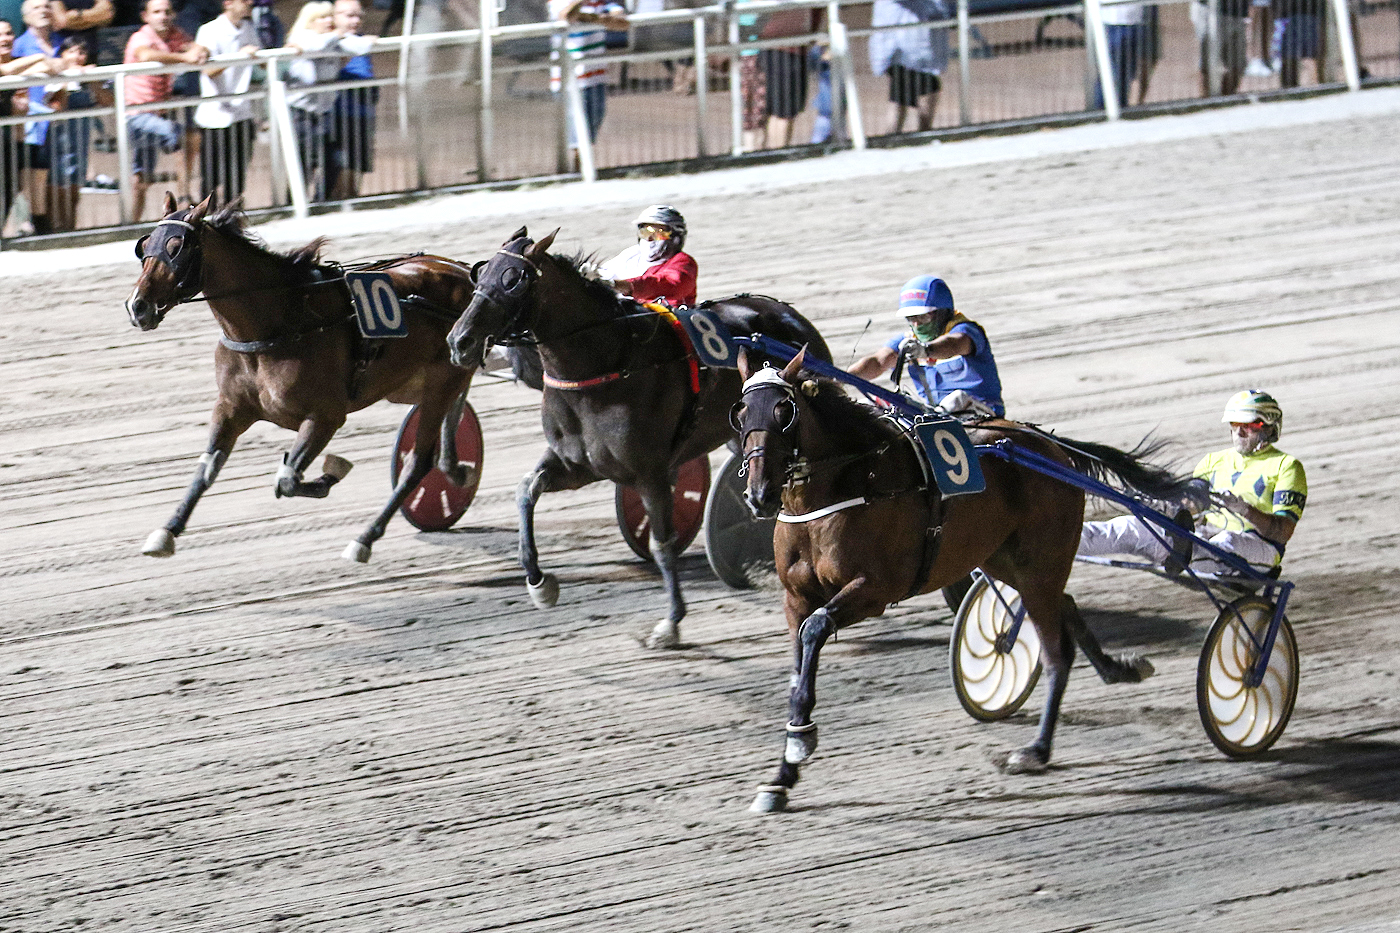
(1142, 666)
(800, 745)
(160, 543)
(357, 552)
(665, 635)
(770, 800)
(335, 466)
(1025, 761)
(545, 593)
(461, 475)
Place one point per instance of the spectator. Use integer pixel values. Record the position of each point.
(315, 31)
(226, 127)
(82, 18)
(913, 58)
(1123, 23)
(159, 40)
(819, 59)
(1298, 32)
(351, 140)
(785, 72)
(589, 22)
(9, 148)
(753, 90)
(38, 39)
(68, 140)
(1253, 494)
(1234, 42)
(1263, 65)
(950, 358)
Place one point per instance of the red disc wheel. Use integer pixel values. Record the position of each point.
(437, 504)
(688, 509)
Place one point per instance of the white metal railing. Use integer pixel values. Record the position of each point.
(492, 70)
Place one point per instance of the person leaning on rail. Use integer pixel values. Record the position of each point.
(949, 357)
(1251, 496)
(656, 268)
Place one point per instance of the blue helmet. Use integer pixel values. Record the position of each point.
(923, 294)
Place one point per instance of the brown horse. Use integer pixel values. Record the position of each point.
(860, 529)
(620, 398)
(292, 354)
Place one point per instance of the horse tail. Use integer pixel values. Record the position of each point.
(526, 364)
(1130, 467)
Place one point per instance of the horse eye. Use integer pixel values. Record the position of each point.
(172, 245)
(786, 413)
(141, 247)
(511, 279)
(736, 416)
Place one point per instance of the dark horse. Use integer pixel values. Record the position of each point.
(292, 354)
(618, 398)
(809, 447)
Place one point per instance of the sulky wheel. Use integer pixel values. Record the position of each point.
(688, 509)
(437, 504)
(738, 545)
(1241, 720)
(992, 679)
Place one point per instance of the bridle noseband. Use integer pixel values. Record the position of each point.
(186, 261)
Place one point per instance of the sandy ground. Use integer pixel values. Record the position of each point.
(257, 735)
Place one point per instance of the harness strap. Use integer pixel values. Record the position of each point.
(264, 346)
(669, 317)
(822, 512)
(556, 383)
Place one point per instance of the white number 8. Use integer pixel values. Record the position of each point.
(954, 456)
(715, 346)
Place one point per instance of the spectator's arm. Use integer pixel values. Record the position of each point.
(876, 364)
(29, 64)
(66, 20)
(248, 50)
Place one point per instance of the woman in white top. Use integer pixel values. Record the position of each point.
(314, 31)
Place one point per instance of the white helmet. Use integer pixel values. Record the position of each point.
(666, 216)
(1254, 405)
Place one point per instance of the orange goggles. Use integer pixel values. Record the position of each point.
(653, 232)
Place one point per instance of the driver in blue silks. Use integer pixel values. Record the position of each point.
(949, 358)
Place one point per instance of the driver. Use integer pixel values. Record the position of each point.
(1252, 493)
(950, 358)
(655, 269)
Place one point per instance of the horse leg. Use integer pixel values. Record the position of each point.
(419, 465)
(1056, 656)
(311, 440)
(658, 499)
(223, 435)
(1124, 669)
(458, 473)
(550, 474)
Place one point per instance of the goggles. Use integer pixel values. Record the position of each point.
(1243, 425)
(653, 232)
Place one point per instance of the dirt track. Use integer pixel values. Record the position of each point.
(257, 735)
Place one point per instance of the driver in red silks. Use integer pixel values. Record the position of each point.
(655, 269)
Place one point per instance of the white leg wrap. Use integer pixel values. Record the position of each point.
(285, 471)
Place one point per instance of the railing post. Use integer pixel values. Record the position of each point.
(1350, 66)
(274, 145)
(1214, 72)
(126, 192)
(1108, 81)
(281, 116)
(841, 58)
(736, 93)
(702, 86)
(573, 98)
(486, 127)
(964, 64)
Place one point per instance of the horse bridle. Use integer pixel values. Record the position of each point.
(508, 296)
(186, 261)
(793, 467)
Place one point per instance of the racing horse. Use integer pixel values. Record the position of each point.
(292, 354)
(623, 397)
(860, 527)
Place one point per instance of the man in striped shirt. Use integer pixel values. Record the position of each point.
(589, 22)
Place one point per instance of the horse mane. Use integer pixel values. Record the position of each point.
(584, 265)
(854, 425)
(232, 221)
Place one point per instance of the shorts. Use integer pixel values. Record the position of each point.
(1300, 36)
(785, 76)
(151, 134)
(907, 85)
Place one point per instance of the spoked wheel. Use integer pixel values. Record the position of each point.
(992, 679)
(437, 504)
(688, 509)
(738, 545)
(1243, 721)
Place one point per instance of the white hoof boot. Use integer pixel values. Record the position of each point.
(159, 543)
(801, 743)
(357, 552)
(667, 634)
(772, 798)
(545, 593)
(335, 466)
(1024, 761)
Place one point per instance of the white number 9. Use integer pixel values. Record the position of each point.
(715, 346)
(953, 456)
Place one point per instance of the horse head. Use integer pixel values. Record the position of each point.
(498, 309)
(171, 264)
(766, 419)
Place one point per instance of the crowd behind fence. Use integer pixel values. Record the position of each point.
(80, 145)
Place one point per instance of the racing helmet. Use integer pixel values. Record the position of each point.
(1254, 405)
(666, 216)
(923, 294)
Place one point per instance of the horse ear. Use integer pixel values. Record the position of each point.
(791, 370)
(745, 370)
(170, 206)
(201, 209)
(520, 234)
(539, 249)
